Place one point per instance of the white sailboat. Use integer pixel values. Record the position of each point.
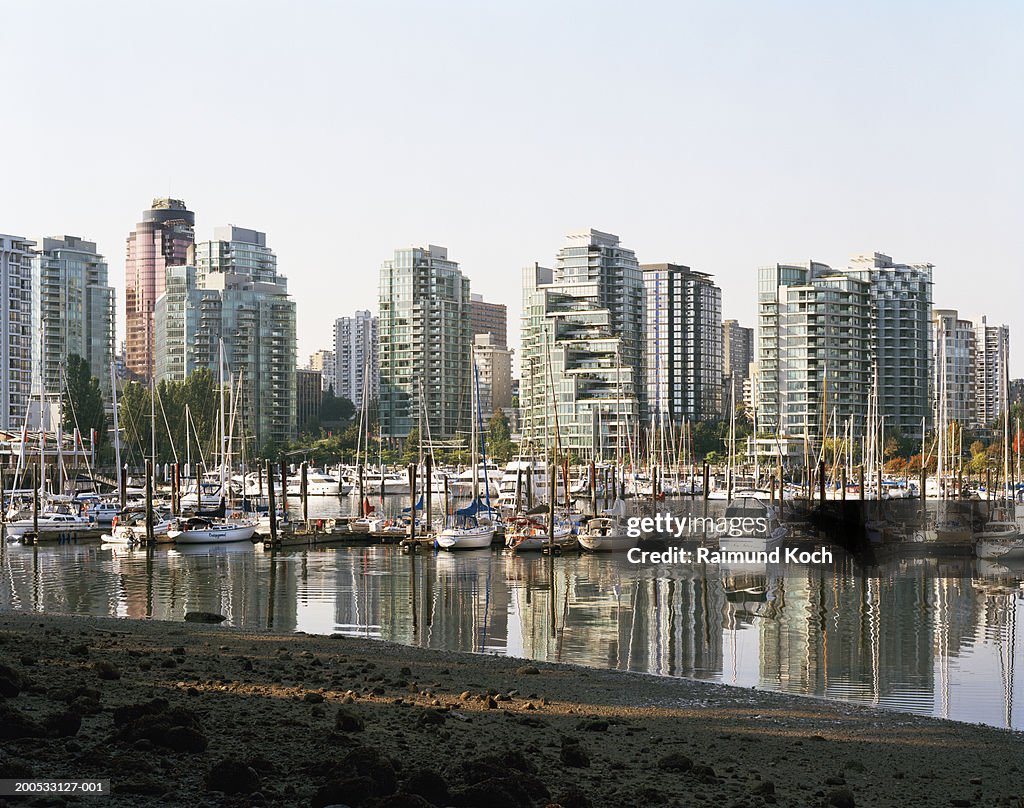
(608, 532)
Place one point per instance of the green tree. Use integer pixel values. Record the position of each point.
(83, 400)
(335, 410)
(499, 437)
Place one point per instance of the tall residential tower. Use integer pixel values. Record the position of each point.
(424, 344)
(159, 241)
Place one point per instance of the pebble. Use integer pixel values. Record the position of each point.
(675, 762)
(841, 798)
(232, 777)
(527, 670)
(107, 670)
(347, 721)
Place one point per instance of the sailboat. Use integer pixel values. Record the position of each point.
(608, 532)
(205, 530)
(479, 533)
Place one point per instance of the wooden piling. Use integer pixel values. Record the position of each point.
(842, 481)
(284, 486)
(412, 502)
(428, 485)
(304, 491)
(149, 501)
(122, 486)
(593, 488)
(271, 506)
(860, 481)
(707, 479)
(821, 480)
(553, 491)
(519, 489)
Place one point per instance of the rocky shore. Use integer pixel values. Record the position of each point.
(196, 714)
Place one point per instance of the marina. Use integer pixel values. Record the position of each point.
(930, 635)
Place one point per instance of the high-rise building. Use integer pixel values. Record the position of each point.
(323, 360)
(683, 357)
(16, 335)
(493, 379)
(159, 241)
(309, 394)
(992, 357)
(813, 349)
(901, 334)
(737, 355)
(582, 344)
(72, 312)
(954, 367)
(356, 357)
(489, 318)
(424, 344)
(245, 304)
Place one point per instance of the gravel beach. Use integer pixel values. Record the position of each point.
(201, 714)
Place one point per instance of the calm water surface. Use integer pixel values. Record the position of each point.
(927, 636)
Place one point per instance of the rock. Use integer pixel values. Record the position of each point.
(431, 718)
(406, 672)
(173, 728)
(573, 797)
(704, 774)
(313, 698)
(428, 784)
(11, 682)
(361, 775)
(178, 650)
(185, 739)
(835, 781)
(675, 762)
(593, 725)
(573, 754)
(79, 650)
(347, 721)
(465, 695)
(204, 617)
(107, 670)
(854, 765)
(841, 798)
(14, 724)
(527, 670)
(232, 777)
(960, 802)
(28, 660)
(764, 788)
(492, 703)
(64, 724)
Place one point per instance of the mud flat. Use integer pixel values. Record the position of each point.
(202, 714)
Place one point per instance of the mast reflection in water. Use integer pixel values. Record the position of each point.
(932, 637)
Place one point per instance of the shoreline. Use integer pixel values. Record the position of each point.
(347, 720)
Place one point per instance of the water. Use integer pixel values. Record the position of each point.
(930, 637)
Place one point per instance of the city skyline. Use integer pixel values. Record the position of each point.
(823, 150)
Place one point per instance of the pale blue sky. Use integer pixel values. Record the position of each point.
(721, 135)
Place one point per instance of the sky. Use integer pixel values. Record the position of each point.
(723, 136)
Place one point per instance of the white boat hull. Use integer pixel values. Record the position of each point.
(471, 538)
(213, 535)
(610, 543)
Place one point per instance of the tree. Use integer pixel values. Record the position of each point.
(83, 400)
(499, 437)
(335, 410)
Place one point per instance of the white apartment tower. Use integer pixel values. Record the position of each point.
(16, 335)
(355, 357)
(992, 353)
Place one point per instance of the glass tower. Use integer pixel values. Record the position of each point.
(424, 344)
(160, 240)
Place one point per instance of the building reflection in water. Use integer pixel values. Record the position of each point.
(937, 638)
